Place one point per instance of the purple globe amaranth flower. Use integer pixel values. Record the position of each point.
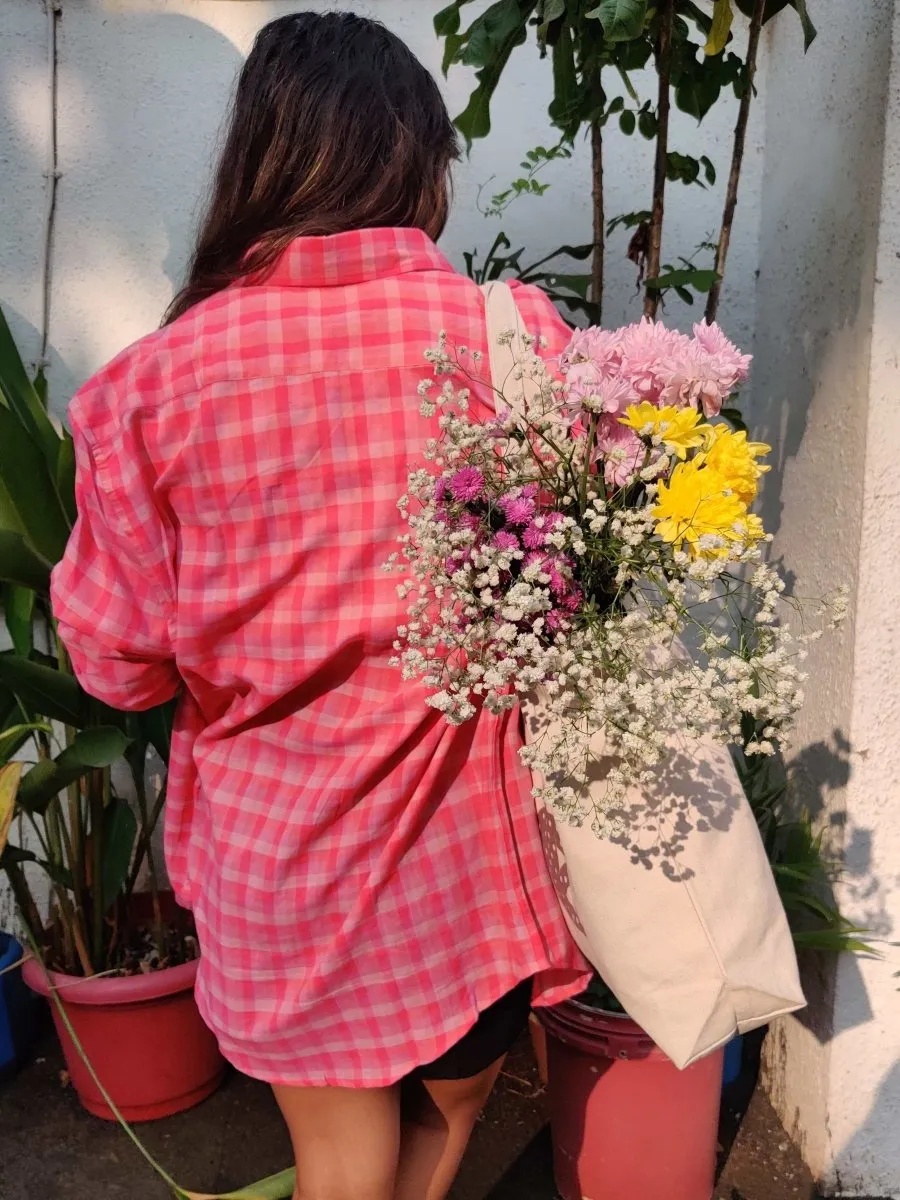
(441, 491)
(466, 485)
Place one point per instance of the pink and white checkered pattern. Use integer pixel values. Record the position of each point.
(365, 878)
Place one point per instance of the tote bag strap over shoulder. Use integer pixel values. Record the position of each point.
(503, 318)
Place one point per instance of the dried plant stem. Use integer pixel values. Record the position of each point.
(737, 160)
(599, 256)
(664, 70)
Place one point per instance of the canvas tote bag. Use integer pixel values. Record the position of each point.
(697, 948)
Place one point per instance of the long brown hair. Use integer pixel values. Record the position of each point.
(335, 125)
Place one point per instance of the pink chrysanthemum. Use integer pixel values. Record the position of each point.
(504, 540)
(466, 485)
(519, 509)
(622, 451)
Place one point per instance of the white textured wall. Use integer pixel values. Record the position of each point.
(827, 392)
(143, 86)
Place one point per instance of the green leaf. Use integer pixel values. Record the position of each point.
(20, 565)
(774, 7)
(709, 170)
(18, 607)
(697, 92)
(578, 284)
(628, 220)
(15, 737)
(564, 108)
(735, 419)
(45, 691)
(447, 20)
(22, 398)
(648, 124)
(65, 476)
(682, 167)
(810, 33)
(550, 10)
(119, 835)
(90, 750)
(700, 280)
(622, 20)
(720, 32)
(156, 725)
(489, 42)
(628, 122)
(276, 1187)
(31, 488)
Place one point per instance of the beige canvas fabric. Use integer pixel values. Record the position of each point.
(696, 945)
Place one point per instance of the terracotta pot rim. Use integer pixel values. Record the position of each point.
(110, 991)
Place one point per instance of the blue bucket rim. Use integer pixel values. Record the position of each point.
(10, 950)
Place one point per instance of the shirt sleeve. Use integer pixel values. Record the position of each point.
(112, 592)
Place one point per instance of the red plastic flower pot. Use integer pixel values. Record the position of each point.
(627, 1124)
(143, 1036)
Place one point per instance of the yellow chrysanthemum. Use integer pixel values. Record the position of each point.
(735, 459)
(679, 429)
(698, 511)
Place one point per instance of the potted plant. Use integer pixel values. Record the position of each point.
(118, 965)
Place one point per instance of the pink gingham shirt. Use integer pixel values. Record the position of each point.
(365, 878)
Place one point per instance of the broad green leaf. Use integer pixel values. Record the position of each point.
(9, 782)
(698, 91)
(276, 1187)
(18, 607)
(723, 17)
(21, 565)
(23, 398)
(490, 41)
(622, 20)
(628, 122)
(44, 691)
(447, 20)
(119, 835)
(65, 476)
(14, 737)
(91, 749)
(31, 488)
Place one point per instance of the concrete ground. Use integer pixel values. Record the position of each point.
(51, 1150)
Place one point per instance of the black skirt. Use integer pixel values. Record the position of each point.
(494, 1034)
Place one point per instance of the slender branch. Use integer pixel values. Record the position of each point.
(664, 70)
(597, 262)
(737, 160)
(54, 15)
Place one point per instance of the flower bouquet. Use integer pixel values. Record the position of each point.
(594, 543)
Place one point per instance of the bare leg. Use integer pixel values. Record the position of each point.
(346, 1141)
(438, 1117)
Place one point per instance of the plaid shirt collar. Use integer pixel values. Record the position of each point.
(358, 256)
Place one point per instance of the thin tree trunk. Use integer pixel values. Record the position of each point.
(737, 161)
(599, 258)
(664, 70)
